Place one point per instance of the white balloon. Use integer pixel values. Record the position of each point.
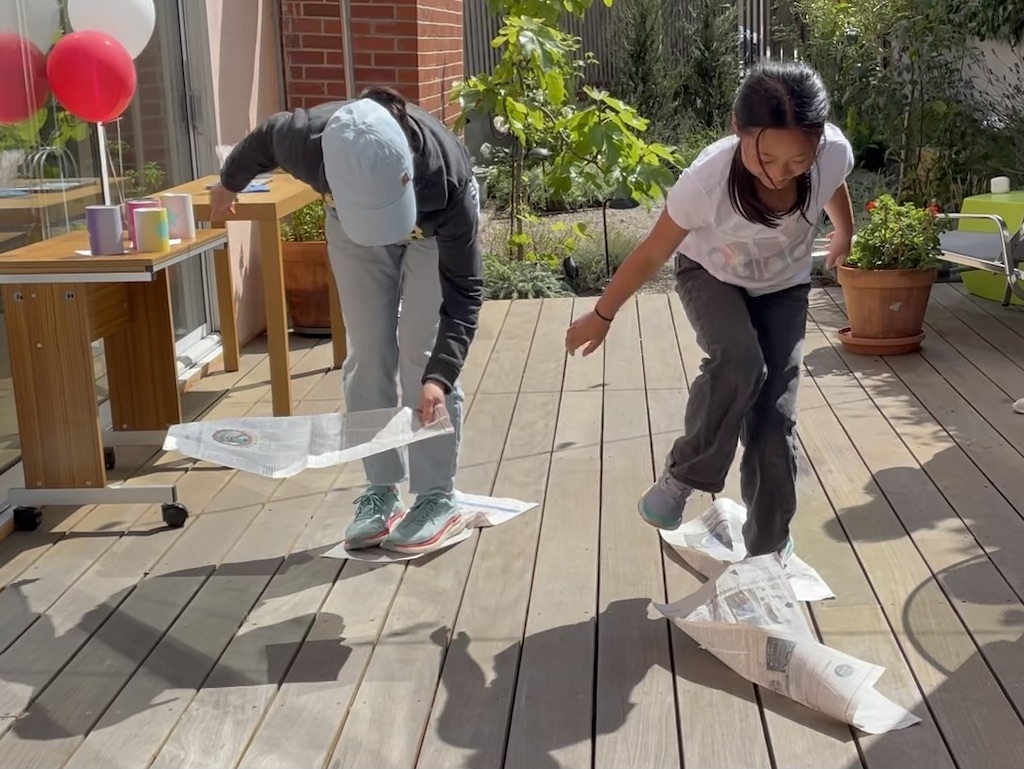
(129, 22)
(36, 20)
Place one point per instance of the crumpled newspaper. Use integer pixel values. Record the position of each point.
(715, 539)
(750, 618)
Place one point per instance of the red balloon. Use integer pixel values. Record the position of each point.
(23, 86)
(92, 76)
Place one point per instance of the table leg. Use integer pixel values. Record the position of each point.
(54, 385)
(338, 341)
(277, 317)
(142, 363)
(226, 304)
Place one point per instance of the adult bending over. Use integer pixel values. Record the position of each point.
(402, 217)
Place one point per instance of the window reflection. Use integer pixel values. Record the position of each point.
(50, 171)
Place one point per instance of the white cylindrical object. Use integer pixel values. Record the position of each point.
(1000, 185)
(181, 221)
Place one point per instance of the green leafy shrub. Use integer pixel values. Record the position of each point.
(709, 65)
(678, 64)
(537, 198)
(898, 237)
(590, 259)
(989, 19)
(306, 224)
(506, 278)
(907, 86)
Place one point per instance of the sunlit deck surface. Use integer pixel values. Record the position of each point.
(231, 642)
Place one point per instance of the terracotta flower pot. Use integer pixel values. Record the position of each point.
(307, 277)
(886, 309)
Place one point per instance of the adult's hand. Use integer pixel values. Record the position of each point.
(431, 402)
(222, 202)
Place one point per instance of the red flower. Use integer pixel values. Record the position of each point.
(872, 205)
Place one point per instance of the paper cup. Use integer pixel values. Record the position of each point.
(151, 230)
(1000, 185)
(130, 207)
(106, 230)
(180, 218)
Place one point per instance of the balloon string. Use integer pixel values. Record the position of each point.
(120, 163)
(101, 137)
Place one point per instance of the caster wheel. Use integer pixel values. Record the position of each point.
(27, 518)
(175, 514)
(109, 457)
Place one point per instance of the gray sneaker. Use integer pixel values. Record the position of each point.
(662, 504)
(377, 512)
(786, 551)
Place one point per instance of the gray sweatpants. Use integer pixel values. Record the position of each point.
(387, 353)
(746, 391)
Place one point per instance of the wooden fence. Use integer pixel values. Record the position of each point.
(757, 36)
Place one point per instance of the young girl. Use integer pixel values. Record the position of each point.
(740, 223)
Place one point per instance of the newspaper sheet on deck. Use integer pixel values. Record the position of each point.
(478, 512)
(750, 618)
(280, 447)
(715, 539)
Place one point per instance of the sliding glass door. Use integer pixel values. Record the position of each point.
(50, 169)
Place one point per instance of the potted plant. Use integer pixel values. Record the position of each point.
(887, 279)
(307, 271)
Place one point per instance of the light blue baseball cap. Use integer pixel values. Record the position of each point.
(369, 169)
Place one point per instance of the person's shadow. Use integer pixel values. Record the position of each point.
(168, 662)
(980, 693)
(568, 705)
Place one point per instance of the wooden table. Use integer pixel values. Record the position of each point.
(43, 199)
(57, 303)
(285, 196)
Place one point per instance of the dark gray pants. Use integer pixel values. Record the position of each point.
(746, 391)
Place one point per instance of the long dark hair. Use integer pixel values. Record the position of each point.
(776, 95)
(393, 102)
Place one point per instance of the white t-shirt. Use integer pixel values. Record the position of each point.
(758, 258)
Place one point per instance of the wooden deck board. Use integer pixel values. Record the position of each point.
(478, 680)
(635, 716)
(231, 642)
(935, 630)
(553, 709)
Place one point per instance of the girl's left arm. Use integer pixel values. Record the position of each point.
(840, 212)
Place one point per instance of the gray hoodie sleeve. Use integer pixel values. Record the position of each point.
(462, 288)
(287, 140)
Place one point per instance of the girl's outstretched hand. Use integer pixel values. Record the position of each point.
(589, 330)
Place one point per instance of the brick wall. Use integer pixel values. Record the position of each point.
(412, 45)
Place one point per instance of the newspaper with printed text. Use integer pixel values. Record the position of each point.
(280, 447)
(715, 539)
(750, 619)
